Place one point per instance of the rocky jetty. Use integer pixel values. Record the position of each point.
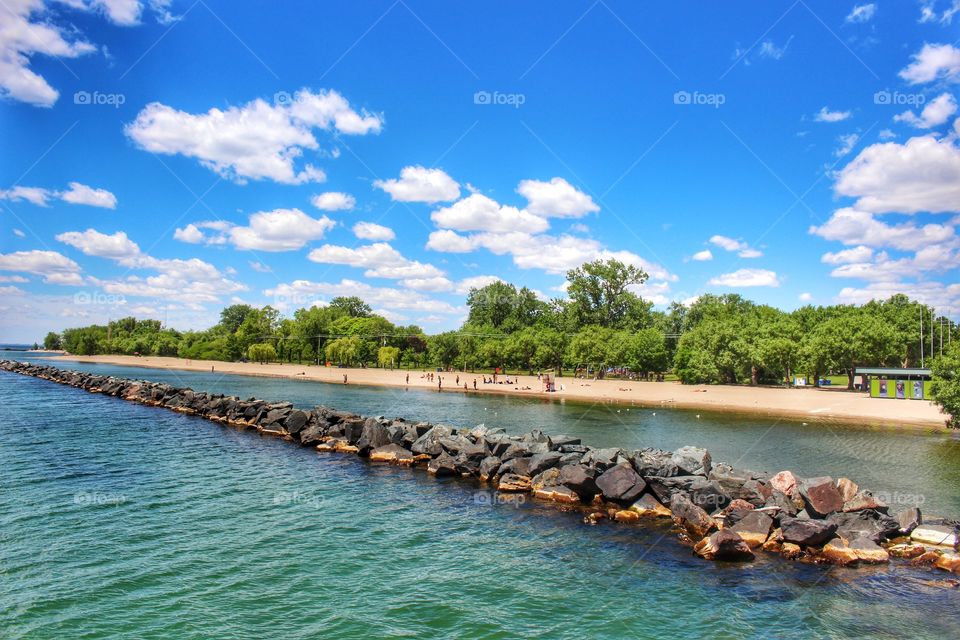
(723, 513)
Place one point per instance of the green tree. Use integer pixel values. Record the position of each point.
(946, 384)
(352, 306)
(599, 292)
(388, 356)
(262, 352)
(52, 341)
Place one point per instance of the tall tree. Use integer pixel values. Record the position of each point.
(599, 292)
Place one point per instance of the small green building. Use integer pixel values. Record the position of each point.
(902, 384)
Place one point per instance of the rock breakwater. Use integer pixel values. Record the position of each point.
(723, 513)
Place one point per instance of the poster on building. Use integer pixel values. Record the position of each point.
(917, 390)
(901, 389)
(883, 388)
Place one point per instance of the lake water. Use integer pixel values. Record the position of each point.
(119, 520)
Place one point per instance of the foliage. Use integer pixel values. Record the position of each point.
(946, 384)
(262, 352)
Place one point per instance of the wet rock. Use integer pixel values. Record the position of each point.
(837, 552)
(443, 465)
(581, 479)
(724, 545)
(621, 484)
(783, 502)
(869, 552)
(647, 505)
(489, 467)
(935, 534)
(372, 436)
(691, 517)
(754, 528)
(948, 562)
(692, 461)
(906, 550)
(557, 494)
(807, 532)
(548, 478)
(625, 515)
(514, 483)
(821, 496)
(393, 453)
(517, 466)
(909, 519)
(429, 442)
(791, 551)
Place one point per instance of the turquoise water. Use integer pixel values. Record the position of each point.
(118, 520)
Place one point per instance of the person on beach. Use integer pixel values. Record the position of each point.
(457, 381)
(439, 383)
(474, 384)
(408, 378)
(344, 378)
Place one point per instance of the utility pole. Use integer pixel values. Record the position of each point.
(921, 337)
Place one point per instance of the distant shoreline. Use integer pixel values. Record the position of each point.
(819, 405)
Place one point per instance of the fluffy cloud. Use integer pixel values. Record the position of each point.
(729, 244)
(826, 115)
(305, 292)
(475, 282)
(82, 194)
(333, 201)
(853, 227)
(256, 141)
(862, 13)
(191, 282)
(449, 242)
(934, 114)
(857, 254)
(944, 297)
(379, 259)
(190, 234)
(747, 278)
(279, 230)
(93, 243)
(55, 268)
(373, 231)
(847, 143)
(556, 199)
(77, 193)
(702, 256)
(27, 31)
(477, 212)
(419, 184)
(805, 297)
(933, 62)
(922, 174)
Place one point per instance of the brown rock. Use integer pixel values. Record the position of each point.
(514, 483)
(724, 545)
(821, 496)
(557, 494)
(847, 488)
(392, 453)
(754, 528)
(926, 560)
(863, 500)
(649, 506)
(691, 517)
(837, 552)
(869, 552)
(791, 551)
(948, 562)
(626, 516)
(906, 550)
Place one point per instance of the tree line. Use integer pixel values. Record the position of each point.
(601, 326)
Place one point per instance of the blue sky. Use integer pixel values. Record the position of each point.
(164, 159)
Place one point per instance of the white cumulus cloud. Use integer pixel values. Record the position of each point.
(556, 199)
(419, 184)
(333, 201)
(747, 278)
(373, 231)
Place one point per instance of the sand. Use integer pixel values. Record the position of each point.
(807, 404)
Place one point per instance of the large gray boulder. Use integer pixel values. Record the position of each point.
(807, 533)
(581, 479)
(621, 484)
(692, 461)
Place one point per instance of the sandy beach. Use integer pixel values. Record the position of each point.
(822, 405)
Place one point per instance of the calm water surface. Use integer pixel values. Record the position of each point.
(118, 520)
